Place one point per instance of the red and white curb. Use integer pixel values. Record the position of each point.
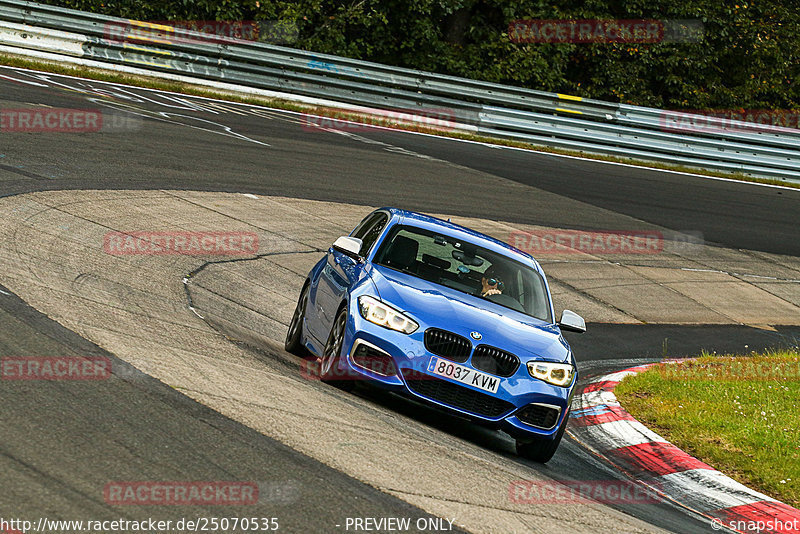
(600, 423)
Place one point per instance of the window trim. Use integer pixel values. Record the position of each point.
(365, 223)
(397, 227)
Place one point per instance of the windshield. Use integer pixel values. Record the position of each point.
(465, 267)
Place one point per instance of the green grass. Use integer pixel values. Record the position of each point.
(740, 415)
(199, 90)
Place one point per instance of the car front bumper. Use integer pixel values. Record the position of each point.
(403, 369)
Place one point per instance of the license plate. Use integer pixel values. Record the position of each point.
(463, 374)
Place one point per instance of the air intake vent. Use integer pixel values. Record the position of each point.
(456, 396)
(373, 359)
(539, 415)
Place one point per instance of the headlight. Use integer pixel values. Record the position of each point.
(558, 374)
(380, 313)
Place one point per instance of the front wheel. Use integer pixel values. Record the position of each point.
(294, 337)
(541, 450)
(329, 367)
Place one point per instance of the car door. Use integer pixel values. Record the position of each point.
(341, 271)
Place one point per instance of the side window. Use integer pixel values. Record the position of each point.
(365, 225)
(373, 232)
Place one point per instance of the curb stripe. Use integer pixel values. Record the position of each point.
(615, 434)
(657, 459)
(618, 376)
(708, 490)
(607, 385)
(605, 426)
(601, 413)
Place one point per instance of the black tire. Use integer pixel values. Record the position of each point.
(328, 367)
(541, 450)
(294, 336)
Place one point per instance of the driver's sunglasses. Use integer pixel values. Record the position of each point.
(495, 281)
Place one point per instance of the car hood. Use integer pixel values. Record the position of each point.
(434, 305)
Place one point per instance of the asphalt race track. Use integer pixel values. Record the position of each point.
(58, 444)
(319, 166)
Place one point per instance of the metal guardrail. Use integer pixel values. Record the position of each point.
(491, 109)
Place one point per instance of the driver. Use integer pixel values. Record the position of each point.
(491, 283)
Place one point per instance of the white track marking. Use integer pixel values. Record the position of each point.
(615, 377)
(489, 145)
(616, 434)
(595, 398)
(706, 490)
(23, 81)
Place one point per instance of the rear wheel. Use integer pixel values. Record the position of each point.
(541, 450)
(294, 337)
(329, 367)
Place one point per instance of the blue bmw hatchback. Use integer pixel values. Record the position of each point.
(445, 315)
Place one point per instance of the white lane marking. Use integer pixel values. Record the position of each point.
(392, 148)
(615, 434)
(249, 195)
(615, 377)
(227, 129)
(707, 490)
(168, 117)
(410, 132)
(23, 81)
(4, 293)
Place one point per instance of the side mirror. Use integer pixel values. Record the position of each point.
(572, 322)
(348, 245)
